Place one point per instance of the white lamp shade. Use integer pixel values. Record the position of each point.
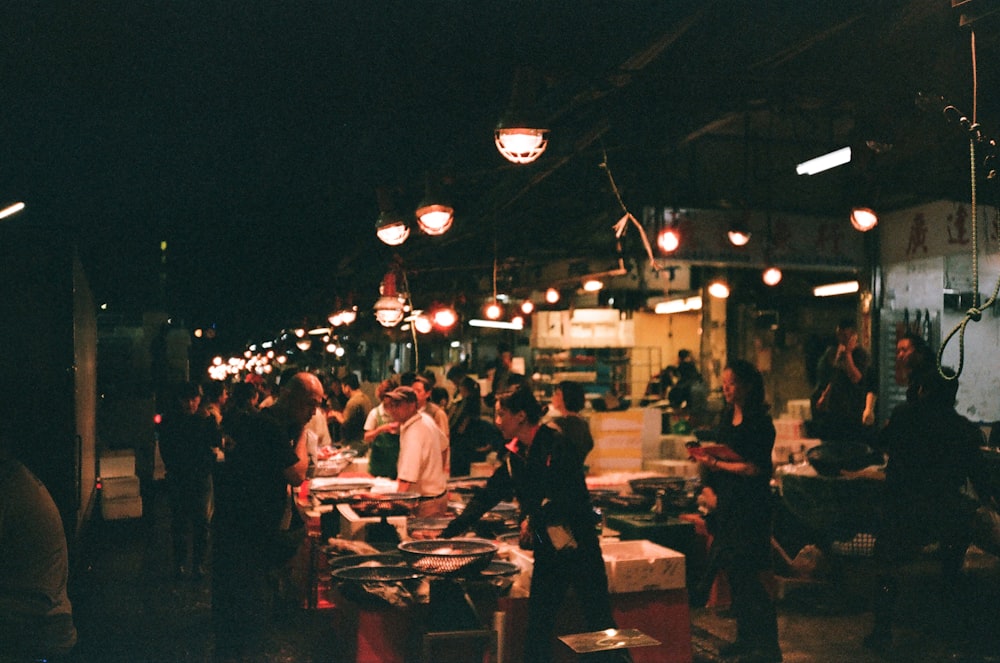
(435, 219)
(863, 219)
(392, 230)
(738, 237)
(389, 311)
(521, 144)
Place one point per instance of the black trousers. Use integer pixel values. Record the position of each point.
(753, 607)
(554, 573)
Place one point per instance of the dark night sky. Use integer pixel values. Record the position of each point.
(251, 135)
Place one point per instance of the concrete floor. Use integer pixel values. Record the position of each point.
(130, 609)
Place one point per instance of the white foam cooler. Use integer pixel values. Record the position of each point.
(354, 527)
(121, 508)
(118, 487)
(118, 463)
(632, 566)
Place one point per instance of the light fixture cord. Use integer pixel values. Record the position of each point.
(975, 313)
(413, 326)
(621, 226)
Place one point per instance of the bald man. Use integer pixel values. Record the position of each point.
(269, 454)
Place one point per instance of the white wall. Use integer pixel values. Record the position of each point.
(928, 249)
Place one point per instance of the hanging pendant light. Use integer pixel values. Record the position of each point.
(390, 227)
(433, 215)
(392, 230)
(668, 238)
(519, 137)
(389, 308)
(718, 289)
(771, 276)
(863, 219)
(739, 230)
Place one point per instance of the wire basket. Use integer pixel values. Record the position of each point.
(376, 574)
(374, 559)
(367, 505)
(862, 545)
(447, 557)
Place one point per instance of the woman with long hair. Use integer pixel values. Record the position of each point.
(741, 521)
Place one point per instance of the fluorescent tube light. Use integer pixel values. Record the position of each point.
(678, 305)
(825, 162)
(496, 324)
(11, 210)
(833, 289)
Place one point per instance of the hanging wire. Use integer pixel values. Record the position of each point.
(621, 226)
(975, 313)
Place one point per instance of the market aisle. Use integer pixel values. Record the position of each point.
(130, 609)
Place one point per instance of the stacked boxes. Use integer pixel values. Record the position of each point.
(120, 496)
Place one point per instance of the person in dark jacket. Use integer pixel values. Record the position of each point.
(269, 454)
(933, 452)
(472, 437)
(741, 521)
(544, 472)
(569, 399)
(188, 441)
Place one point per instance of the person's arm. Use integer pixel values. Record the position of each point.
(391, 427)
(845, 359)
(868, 416)
(296, 474)
(733, 467)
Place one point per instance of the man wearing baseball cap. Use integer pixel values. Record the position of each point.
(420, 467)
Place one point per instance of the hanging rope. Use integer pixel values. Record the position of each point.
(621, 226)
(974, 314)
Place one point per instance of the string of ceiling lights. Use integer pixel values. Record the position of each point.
(521, 139)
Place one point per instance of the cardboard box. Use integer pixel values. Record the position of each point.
(632, 566)
(117, 487)
(118, 463)
(120, 508)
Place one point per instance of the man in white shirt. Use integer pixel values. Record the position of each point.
(421, 466)
(422, 388)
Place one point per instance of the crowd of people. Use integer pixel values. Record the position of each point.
(234, 452)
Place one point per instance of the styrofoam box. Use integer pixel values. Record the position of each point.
(632, 566)
(119, 463)
(353, 526)
(789, 429)
(672, 468)
(116, 487)
(799, 409)
(122, 507)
